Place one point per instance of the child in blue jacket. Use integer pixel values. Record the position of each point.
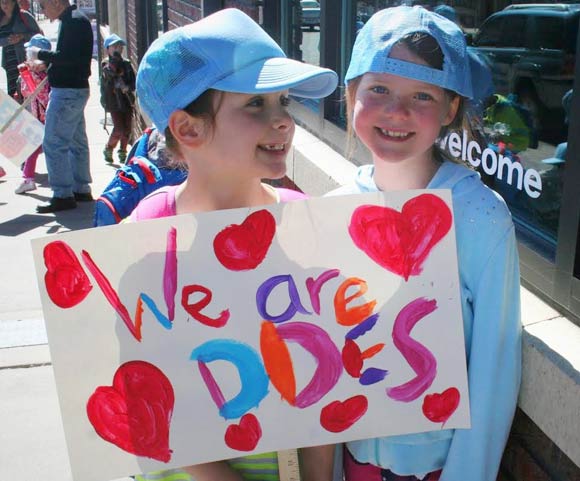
(407, 82)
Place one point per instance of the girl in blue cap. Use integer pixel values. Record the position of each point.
(406, 86)
(219, 91)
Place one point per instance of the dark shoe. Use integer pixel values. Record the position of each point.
(57, 204)
(83, 197)
(122, 156)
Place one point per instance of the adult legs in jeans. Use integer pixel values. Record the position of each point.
(65, 145)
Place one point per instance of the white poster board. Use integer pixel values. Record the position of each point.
(22, 136)
(204, 337)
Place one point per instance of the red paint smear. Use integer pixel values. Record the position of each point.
(339, 416)
(66, 282)
(194, 309)
(243, 247)
(438, 408)
(245, 435)
(112, 296)
(135, 412)
(418, 356)
(352, 358)
(372, 351)
(170, 273)
(400, 242)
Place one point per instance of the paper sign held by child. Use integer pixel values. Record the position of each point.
(20, 132)
(203, 337)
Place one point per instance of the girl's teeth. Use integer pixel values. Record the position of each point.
(391, 133)
(276, 147)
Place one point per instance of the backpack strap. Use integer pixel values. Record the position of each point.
(141, 147)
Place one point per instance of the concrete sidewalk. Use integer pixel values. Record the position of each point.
(32, 444)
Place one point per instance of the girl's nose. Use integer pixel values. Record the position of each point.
(282, 120)
(397, 106)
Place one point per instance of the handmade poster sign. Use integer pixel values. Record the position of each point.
(20, 132)
(204, 337)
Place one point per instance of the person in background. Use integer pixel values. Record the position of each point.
(16, 27)
(406, 85)
(117, 96)
(65, 145)
(33, 74)
(222, 104)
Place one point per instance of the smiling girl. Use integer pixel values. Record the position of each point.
(406, 86)
(219, 90)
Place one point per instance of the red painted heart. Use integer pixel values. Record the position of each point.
(244, 247)
(352, 358)
(245, 435)
(401, 241)
(438, 408)
(135, 413)
(339, 416)
(66, 282)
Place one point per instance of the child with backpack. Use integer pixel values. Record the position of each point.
(117, 96)
(219, 90)
(32, 74)
(406, 84)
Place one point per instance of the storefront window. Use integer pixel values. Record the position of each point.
(526, 120)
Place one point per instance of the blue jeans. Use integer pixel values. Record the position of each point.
(65, 144)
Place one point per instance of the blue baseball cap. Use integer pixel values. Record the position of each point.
(112, 40)
(39, 41)
(225, 51)
(387, 27)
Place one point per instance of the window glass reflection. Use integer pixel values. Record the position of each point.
(305, 30)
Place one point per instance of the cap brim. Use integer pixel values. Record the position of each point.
(274, 74)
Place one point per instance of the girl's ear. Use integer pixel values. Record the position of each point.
(451, 111)
(187, 130)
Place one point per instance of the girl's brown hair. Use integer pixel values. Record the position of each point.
(206, 107)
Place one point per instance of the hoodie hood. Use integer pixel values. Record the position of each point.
(449, 176)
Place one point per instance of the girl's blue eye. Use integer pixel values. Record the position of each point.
(285, 101)
(424, 96)
(378, 89)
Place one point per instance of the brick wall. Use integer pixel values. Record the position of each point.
(131, 18)
(247, 6)
(182, 12)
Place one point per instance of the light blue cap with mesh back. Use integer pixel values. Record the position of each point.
(386, 27)
(224, 51)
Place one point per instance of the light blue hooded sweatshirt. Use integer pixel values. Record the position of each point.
(490, 300)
